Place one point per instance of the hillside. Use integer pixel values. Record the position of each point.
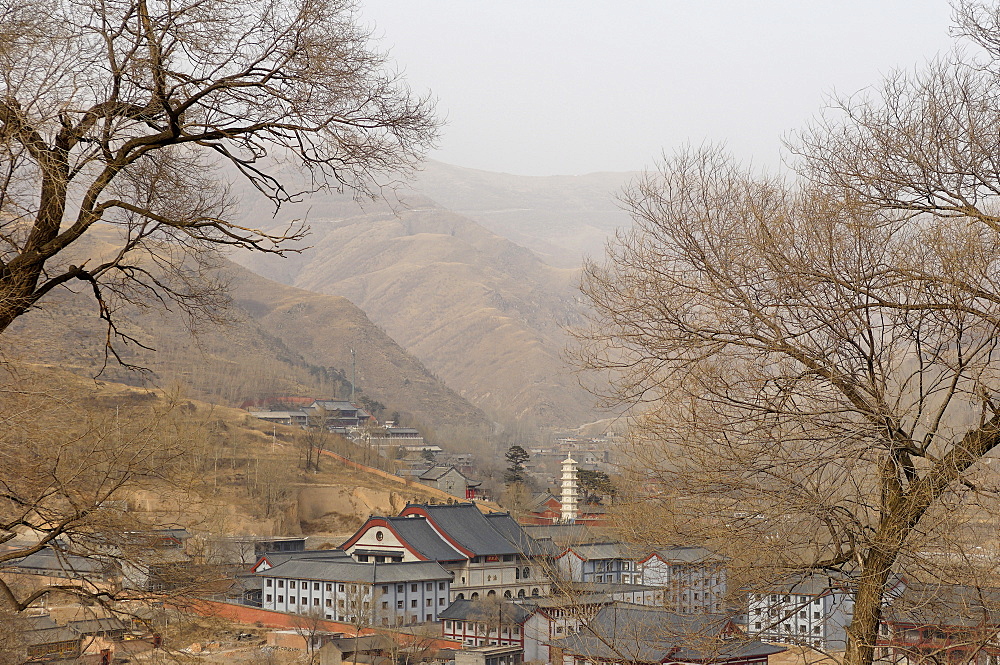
(279, 341)
(225, 473)
(561, 218)
(481, 312)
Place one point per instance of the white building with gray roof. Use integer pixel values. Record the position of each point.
(489, 555)
(364, 594)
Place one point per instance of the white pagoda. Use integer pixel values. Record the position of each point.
(570, 495)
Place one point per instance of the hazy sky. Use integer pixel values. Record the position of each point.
(540, 87)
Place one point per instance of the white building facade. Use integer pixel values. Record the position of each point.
(356, 593)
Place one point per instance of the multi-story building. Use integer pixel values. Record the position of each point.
(601, 563)
(813, 610)
(489, 555)
(557, 617)
(478, 623)
(364, 594)
(693, 579)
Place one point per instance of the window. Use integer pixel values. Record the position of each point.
(534, 591)
(447, 625)
(440, 586)
(291, 584)
(385, 589)
(340, 603)
(315, 602)
(385, 604)
(786, 599)
(399, 604)
(281, 599)
(815, 630)
(816, 615)
(303, 601)
(803, 615)
(340, 588)
(429, 603)
(329, 603)
(329, 587)
(440, 601)
(517, 630)
(413, 603)
(413, 588)
(268, 599)
(802, 629)
(413, 618)
(269, 582)
(517, 573)
(430, 617)
(756, 626)
(429, 586)
(399, 588)
(600, 578)
(281, 584)
(315, 586)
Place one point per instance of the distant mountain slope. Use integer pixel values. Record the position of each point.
(324, 328)
(281, 341)
(561, 218)
(482, 312)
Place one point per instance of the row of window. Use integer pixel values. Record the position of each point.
(478, 628)
(353, 588)
(521, 593)
(787, 628)
(342, 604)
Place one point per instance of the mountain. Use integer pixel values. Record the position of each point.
(278, 341)
(561, 218)
(485, 314)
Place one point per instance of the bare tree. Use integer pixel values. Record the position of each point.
(818, 377)
(119, 121)
(67, 473)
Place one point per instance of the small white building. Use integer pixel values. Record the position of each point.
(693, 579)
(812, 610)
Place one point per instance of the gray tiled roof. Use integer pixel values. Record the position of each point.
(946, 605)
(516, 535)
(470, 528)
(591, 551)
(275, 558)
(436, 472)
(47, 561)
(352, 571)
(477, 610)
(55, 635)
(638, 633)
(94, 626)
(684, 554)
(421, 536)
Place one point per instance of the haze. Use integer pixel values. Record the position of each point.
(540, 88)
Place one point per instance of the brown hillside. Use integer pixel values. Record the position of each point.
(279, 341)
(236, 474)
(483, 313)
(324, 329)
